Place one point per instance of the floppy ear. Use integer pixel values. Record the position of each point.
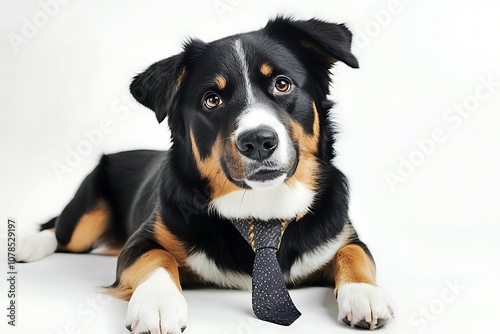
(329, 42)
(157, 87)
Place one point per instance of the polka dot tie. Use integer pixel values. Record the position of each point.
(270, 298)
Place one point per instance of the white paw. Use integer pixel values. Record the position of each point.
(37, 246)
(363, 305)
(157, 306)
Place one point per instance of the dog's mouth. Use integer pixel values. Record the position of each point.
(257, 176)
(264, 175)
(265, 178)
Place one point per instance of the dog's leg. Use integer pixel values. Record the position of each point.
(361, 302)
(148, 276)
(83, 221)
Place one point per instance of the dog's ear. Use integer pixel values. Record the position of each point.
(158, 86)
(328, 42)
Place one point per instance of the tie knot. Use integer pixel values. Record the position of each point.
(261, 234)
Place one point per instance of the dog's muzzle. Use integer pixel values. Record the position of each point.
(260, 148)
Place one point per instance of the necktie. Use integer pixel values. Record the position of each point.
(270, 298)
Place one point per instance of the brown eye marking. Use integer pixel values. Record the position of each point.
(266, 70)
(220, 82)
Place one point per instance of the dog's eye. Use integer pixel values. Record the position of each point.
(211, 101)
(282, 85)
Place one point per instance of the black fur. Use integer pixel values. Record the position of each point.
(141, 184)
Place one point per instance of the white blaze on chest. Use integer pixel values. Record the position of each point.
(283, 202)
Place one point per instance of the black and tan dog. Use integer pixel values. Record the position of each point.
(252, 139)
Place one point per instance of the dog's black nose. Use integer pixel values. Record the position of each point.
(258, 144)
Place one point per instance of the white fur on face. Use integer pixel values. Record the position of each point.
(240, 53)
(256, 116)
(272, 198)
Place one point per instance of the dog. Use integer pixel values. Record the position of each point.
(252, 138)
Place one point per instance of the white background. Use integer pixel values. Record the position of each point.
(420, 61)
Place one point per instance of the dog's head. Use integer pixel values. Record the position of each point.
(250, 109)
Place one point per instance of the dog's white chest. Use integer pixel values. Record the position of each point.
(304, 266)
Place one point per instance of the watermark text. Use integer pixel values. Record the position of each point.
(11, 273)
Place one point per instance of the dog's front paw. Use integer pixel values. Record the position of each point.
(157, 306)
(363, 305)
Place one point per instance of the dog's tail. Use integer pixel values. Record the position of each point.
(48, 225)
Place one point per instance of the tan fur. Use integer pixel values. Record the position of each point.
(167, 240)
(306, 172)
(211, 169)
(266, 70)
(233, 159)
(220, 82)
(307, 169)
(353, 265)
(88, 230)
(140, 270)
(115, 251)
